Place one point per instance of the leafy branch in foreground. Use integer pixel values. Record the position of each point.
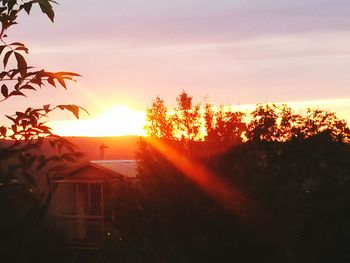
(24, 138)
(21, 154)
(23, 77)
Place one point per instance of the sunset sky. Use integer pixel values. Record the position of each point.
(235, 52)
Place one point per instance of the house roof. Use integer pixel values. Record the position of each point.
(111, 169)
(125, 168)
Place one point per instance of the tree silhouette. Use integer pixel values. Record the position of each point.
(209, 123)
(278, 123)
(222, 125)
(317, 121)
(263, 126)
(229, 126)
(160, 123)
(288, 123)
(186, 118)
(299, 189)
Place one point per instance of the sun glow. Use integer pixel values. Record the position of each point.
(122, 120)
(118, 121)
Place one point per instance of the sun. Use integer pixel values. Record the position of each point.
(122, 120)
(119, 120)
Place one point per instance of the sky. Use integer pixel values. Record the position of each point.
(232, 52)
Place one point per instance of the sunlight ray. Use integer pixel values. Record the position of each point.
(217, 188)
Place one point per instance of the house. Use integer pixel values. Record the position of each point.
(83, 201)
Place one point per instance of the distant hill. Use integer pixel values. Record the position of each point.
(119, 147)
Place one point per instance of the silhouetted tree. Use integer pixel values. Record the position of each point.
(186, 119)
(209, 122)
(316, 121)
(299, 190)
(263, 125)
(278, 123)
(268, 122)
(223, 125)
(160, 123)
(287, 123)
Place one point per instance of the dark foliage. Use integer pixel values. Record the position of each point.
(24, 236)
(297, 209)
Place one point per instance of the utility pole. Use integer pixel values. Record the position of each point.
(102, 151)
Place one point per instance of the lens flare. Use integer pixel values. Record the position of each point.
(209, 182)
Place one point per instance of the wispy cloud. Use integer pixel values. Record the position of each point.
(235, 51)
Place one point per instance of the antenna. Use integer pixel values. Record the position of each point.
(102, 151)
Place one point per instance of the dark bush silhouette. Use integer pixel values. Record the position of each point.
(289, 172)
(296, 211)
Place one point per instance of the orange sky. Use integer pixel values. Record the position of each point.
(123, 120)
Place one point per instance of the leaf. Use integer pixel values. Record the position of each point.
(45, 129)
(27, 7)
(21, 64)
(17, 84)
(46, 108)
(27, 86)
(75, 110)
(37, 80)
(28, 110)
(14, 128)
(11, 4)
(11, 118)
(66, 73)
(2, 48)
(21, 114)
(6, 57)
(3, 131)
(3, 74)
(72, 108)
(17, 44)
(17, 93)
(51, 81)
(46, 8)
(14, 73)
(22, 48)
(84, 110)
(61, 81)
(4, 91)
